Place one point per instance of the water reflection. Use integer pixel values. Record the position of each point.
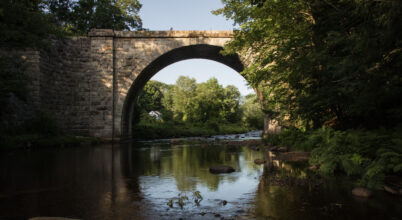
(136, 181)
(168, 171)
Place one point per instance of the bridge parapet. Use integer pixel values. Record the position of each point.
(160, 34)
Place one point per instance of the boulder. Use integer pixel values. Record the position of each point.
(391, 190)
(361, 192)
(221, 169)
(259, 161)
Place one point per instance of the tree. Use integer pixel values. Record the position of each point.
(79, 17)
(230, 104)
(150, 99)
(187, 101)
(183, 99)
(323, 62)
(208, 101)
(23, 24)
(252, 115)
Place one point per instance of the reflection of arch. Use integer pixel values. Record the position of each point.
(202, 51)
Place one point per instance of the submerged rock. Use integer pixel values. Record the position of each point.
(221, 169)
(259, 161)
(362, 192)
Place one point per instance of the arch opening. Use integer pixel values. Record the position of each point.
(200, 51)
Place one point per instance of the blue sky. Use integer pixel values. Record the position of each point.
(191, 15)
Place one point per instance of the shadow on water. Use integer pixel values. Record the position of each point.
(138, 180)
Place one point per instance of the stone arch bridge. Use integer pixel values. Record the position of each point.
(89, 84)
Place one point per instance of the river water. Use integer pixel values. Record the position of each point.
(146, 181)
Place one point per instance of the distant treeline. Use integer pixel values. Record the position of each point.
(206, 105)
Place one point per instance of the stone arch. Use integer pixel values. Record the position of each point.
(201, 51)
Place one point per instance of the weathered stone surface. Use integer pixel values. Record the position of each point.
(89, 84)
(221, 169)
(362, 192)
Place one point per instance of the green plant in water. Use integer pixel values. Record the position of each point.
(182, 197)
(197, 197)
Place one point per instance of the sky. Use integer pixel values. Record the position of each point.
(191, 15)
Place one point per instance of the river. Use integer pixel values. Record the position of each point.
(158, 180)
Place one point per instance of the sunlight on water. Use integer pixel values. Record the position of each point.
(163, 181)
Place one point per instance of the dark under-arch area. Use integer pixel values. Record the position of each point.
(200, 51)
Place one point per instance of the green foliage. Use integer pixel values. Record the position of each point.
(29, 23)
(252, 115)
(187, 101)
(180, 200)
(150, 99)
(24, 24)
(79, 17)
(157, 129)
(189, 108)
(368, 155)
(323, 62)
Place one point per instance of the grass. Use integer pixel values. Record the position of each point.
(157, 130)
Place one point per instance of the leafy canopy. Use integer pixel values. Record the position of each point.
(333, 62)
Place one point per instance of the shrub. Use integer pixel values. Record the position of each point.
(367, 155)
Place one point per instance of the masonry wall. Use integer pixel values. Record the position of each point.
(133, 55)
(84, 81)
(65, 84)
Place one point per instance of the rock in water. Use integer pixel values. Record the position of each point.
(221, 169)
(361, 192)
(259, 161)
(391, 190)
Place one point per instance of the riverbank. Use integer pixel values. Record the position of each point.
(33, 141)
(174, 130)
(370, 157)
